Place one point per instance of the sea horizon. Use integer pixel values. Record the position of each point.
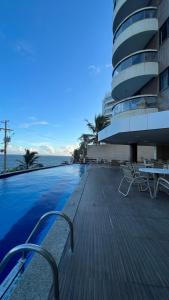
(46, 160)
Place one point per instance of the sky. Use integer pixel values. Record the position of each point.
(55, 68)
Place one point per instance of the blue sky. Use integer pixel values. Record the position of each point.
(55, 58)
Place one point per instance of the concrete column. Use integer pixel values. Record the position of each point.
(133, 153)
(163, 152)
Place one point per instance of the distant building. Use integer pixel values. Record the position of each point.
(140, 79)
(107, 105)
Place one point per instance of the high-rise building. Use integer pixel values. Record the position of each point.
(140, 79)
(107, 105)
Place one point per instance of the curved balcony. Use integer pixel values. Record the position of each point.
(123, 8)
(108, 103)
(108, 112)
(136, 105)
(134, 33)
(133, 72)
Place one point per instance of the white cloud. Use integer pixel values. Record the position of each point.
(43, 149)
(13, 149)
(23, 48)
(67, 150)
(35, 123)
(32, 118)
(47, 149)
(94, 69)
(108, 66)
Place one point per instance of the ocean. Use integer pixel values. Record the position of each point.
(46, 160)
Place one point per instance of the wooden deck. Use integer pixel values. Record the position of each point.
(121, 244)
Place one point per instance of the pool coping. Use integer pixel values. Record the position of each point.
(14, 173)
(35, 283)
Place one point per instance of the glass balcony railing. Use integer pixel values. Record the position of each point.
(146, 13)
(142, 102)
(114, 3)
(141, 57)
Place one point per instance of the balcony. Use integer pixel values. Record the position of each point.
(133, 106)
(123, 8)
(133, 72)
(108, 112)
(150, 128)
(134, 33)
(109, 103)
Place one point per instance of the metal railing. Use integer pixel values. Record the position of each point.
(42, 252)
(23, 248)
(46, 216)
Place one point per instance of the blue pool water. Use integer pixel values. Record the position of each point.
(25, 198)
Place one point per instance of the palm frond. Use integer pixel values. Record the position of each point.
(29, 158)
(91, 126)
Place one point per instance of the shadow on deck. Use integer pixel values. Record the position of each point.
(121, 244)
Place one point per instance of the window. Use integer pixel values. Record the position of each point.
(164, 31)
(164, 80)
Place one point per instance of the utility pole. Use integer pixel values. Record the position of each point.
(7, 139)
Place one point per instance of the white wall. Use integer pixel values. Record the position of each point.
(118, 152)
(109, 152)
(147, 152)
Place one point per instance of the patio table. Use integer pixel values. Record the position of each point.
(155, 172)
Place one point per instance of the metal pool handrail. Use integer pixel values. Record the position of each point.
(42, 252)
(45, 216)
(49, 214)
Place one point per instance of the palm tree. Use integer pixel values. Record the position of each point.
(100, 122)
(76, 156)
(85, 140)
(29, 159)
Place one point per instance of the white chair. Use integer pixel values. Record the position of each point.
(136, 169)
(132, 178)
(161, 182)
(148, 163)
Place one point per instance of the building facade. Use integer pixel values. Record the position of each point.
(140, 79)
(107, 105)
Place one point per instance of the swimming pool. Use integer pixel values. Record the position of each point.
(25, 198)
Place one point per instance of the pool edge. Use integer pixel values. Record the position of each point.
(35, 283)
(15, 173)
